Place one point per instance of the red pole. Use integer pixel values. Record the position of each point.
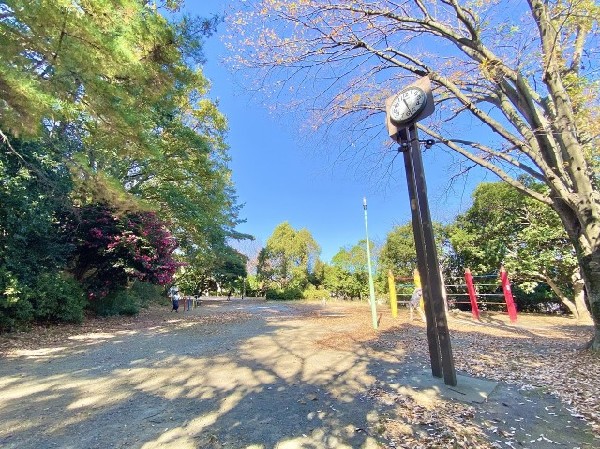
(508, 297)
(472, 295)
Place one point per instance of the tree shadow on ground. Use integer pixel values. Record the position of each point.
(279, 379)
(256, 384)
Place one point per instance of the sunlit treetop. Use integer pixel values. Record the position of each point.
(103, 63)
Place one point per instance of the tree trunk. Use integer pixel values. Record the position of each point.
(579, 297)
(591, 277)
(563, 298)
(588, 256)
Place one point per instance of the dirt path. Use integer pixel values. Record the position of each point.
(249, 374)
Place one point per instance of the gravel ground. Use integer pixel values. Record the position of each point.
(256, 374)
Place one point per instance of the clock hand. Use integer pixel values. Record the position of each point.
(407, 106)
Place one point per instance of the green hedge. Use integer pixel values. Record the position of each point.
(314, 294)
(284, 294)
(127, 301)
(53, 297)
(121, 302)
(57, 298)
(15, 310)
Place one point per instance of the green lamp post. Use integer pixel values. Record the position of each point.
(371, 287)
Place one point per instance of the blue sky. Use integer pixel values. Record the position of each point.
(278, 179)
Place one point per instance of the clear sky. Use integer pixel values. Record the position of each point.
(279, 179)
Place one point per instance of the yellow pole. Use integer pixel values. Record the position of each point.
(393, 298)
(417, 280)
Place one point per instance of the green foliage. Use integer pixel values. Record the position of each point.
(57, 298)
(288, 259)
(147, 293)
(53, 297)
(284, 294)
(482, 235)
(317, 277)
(120, 302)
(34, 190)
(399, 253)
(230, 270)
(224, 270)
(15, 310)
(348, 277)
(316, 294)
(128, 301)
(253, 287)
(188, 176)
(539, 299)
(104, 62)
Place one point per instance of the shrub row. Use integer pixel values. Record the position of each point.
(58, 298)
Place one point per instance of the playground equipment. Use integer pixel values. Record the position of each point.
(471, 287)
(474, 283)
(393, 296)
(407, 287)
(190, 302)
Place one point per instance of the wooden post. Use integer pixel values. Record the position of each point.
(437, 327)
(508, 297)
(393, 297)
(472, 295)
(435, 357)
(371, 286)
(417, 282)
(416, 278)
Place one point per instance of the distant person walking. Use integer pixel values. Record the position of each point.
(415, 303)
(174, 294)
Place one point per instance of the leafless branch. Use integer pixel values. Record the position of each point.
(453, 144)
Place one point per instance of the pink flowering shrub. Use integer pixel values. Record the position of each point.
(112, 250)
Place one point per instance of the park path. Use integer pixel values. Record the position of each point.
(256, 383)
(276, 375)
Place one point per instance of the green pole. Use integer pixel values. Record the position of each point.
(371, 287)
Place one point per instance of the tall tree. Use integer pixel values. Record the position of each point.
(221, 271)
(32, 209)
(33, 247)
(105, 63)
(120, 82)
(117, 80)
(399, 253)
(526, 73)
(348, 275)
(288, 257)
(186, 177)
(112, 95)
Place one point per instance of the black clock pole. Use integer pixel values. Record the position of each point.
(438, 337)
(417, 225)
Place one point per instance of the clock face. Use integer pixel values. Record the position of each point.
(407, 105)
